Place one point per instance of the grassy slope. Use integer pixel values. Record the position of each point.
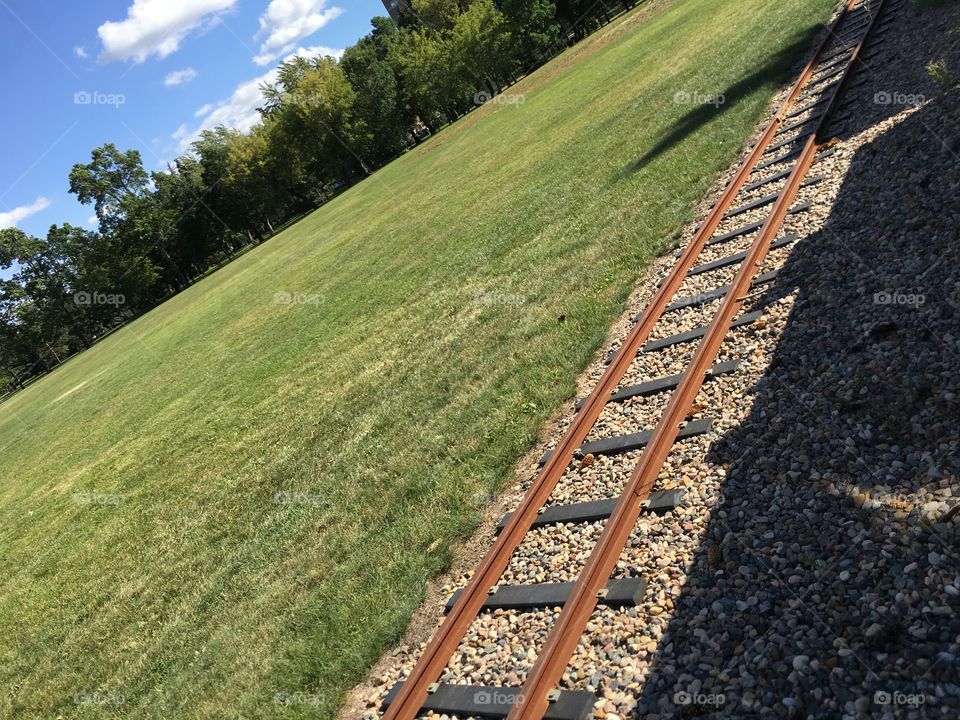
(397, 398)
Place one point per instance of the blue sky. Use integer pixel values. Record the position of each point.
(143, 74)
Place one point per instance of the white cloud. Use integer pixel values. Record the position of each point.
(81, 52)
(287, 22)
(181, 132)
(239, 111)
(19, 214)
(315, 51)
(92, 220)
(179, 77)
(156, 27)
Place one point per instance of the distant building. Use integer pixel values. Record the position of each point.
(394, 8)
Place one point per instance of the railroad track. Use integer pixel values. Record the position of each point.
(714, 280)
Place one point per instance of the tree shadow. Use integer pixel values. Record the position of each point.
(707, 108)
(820, 588)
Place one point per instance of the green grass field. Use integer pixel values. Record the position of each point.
(237, 496)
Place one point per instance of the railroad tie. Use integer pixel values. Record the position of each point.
(828, 76)
(805, 108)
(716, 293)
(634, 441)
(746, 229)
(789, 155)
(789, 141)
(697, 333)
(767, 180)
(736, 258)
(488, 701)
(624, 592)
(828, 65)
(686, 336)
(725, 262)
(659, 503)
(653, 387)
(799, 123)
(818, 91)
(767, 200)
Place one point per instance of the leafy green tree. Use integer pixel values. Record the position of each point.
(262, 168)
(103, 284)
(314, 103)
(480, 49)
(220, 206)
(191, 231)
(580, 16)
(423, 61)
(236, 203)
(436, 16)
(534, 30)
(108, 179)
(130, 219)
(17, 347)
(17, 247)
(35, 308)
(377, 83)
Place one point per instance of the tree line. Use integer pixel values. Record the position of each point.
(325, 124)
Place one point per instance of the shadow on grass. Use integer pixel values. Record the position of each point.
(707, 108)
(819, 589)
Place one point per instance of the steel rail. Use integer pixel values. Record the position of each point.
(547, 672)
(435, 657)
